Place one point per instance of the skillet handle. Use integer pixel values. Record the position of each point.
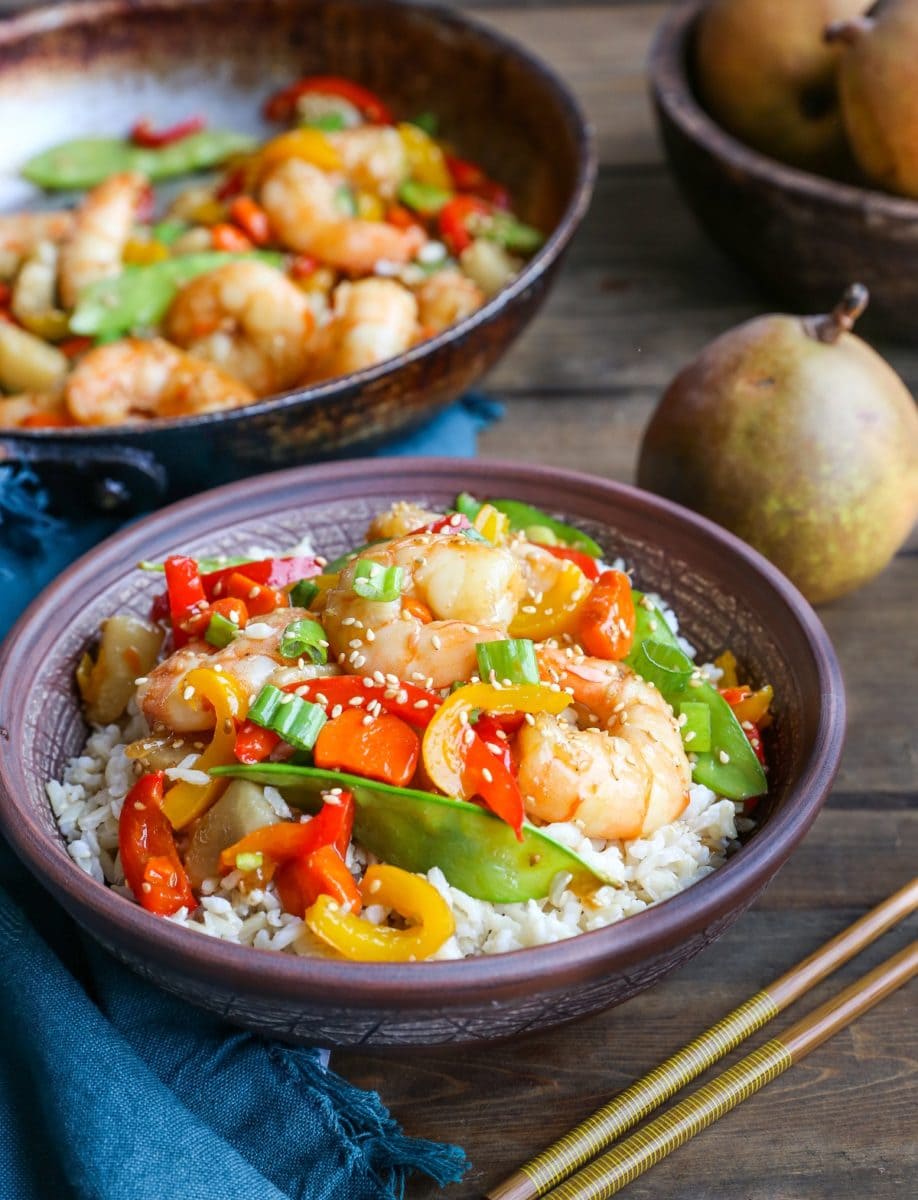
(111, 480)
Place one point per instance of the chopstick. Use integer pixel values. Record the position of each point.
(537, 1176)
(622, 1164)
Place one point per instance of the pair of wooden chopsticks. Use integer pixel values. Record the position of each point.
(551, 1173)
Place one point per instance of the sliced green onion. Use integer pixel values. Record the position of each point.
(474, 535)
(220, 631)
(513, 234)
(423, 198)
(373, 581)
(345, 201)
(665, 666)
(296, 720)
(303, 593)
(541, 534)
(304, 639)
(249, 862)
(169, 231)
(468, 505)
(330, 122)
(428, 121)
(512, 660)
(696, 729)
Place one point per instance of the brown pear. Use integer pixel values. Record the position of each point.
(766, 74)
(878, 86)
(797, 436)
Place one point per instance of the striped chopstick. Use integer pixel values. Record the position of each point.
(622, 1164)
(536, 1177)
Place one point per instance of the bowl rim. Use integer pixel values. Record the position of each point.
(672, 89)
(57, 16)
(453, 982)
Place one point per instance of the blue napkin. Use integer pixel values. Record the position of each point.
(112, 1090)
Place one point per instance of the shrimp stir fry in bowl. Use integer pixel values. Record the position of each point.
(468, 736)
(340, 242)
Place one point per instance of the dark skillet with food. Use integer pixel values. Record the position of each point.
(94, 68)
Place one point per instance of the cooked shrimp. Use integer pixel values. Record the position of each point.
(403, 517)
(20, 233)
(34, 407)
(455, 593)
(301, 203)
(445, 298)
(102, 227)
(372, 320)
(251, 660)
(136, 378)
(248, 319)
(373, 157)
(624, 775)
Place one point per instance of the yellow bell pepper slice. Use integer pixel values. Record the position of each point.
(138, 253)
(754, 707)
(370, 207)
(311, 145)
(442, 746)
(727, 664)
(426, 161)
(492, 524)
(230, 702)
(558, 609)
(411, 896)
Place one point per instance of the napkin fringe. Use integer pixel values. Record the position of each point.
(25, 523)
(370, 1136)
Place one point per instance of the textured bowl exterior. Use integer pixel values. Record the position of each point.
(803, 236)
(725, 595)
(85, 65)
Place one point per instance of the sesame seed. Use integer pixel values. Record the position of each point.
(436, 642)
(359, 661)
(139, 805)
(486, 775)
(141, 680)
(146, 887)
(253, 594)
(337, 711)
(320, 561)
(218, 668)
(368, 719)
(690, 737)
(348, 620)
(188, 692)
(723, 756)
(371, 636)
(421, 704)
(529, 718)
(374, 886)
(356, 701)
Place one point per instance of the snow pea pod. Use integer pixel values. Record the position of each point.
(524, 516)
(139, 297)
(85, 162)
(740, 776)
(476, 851)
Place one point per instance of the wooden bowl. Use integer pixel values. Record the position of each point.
(803, 236)
(95, 66)
(724, 594)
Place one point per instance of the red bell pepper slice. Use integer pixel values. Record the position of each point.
(607, 620)
(254, 744)
(490, 776)
(260, 598)
(448, 523)
(376, 747)
(232, 185)
(186, 598)
(406, 700)
(455, 217)
(152, 867)
(588, 565)
(331, 826)
(72, 347)
(230, 239)
(281, 106)
(301, 881)
(251, 219)
(273, 572)
(143, 133)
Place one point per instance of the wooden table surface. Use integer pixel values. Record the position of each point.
(641, 292)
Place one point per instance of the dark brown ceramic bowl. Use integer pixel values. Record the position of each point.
(725, 595)
(803, 236)
(93, 67)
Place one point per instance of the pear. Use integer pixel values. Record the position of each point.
(766, 74)
(878, 85)
(797, 436)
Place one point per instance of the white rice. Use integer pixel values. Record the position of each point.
(87, 803)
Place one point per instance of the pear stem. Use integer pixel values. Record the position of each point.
(841, 319)
(849, 32)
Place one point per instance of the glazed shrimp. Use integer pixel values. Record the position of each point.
(372, 320)
(251, 660)
(403, 517)
(36, 408)
(455, 593)
(623, 776)
(102, 227)
(373, 157)
(445, 298)
(21, 233)
(136, 378)
(301, 203)
(248, 319)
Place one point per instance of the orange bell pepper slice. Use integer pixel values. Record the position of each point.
(607, 620)
(383, 747)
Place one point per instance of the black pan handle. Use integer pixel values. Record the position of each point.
(84, 480)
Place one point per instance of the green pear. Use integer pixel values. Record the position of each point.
(797, 436)
(878, 85)
(766, 74)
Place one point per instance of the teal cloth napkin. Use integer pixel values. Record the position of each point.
(112, 1090)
